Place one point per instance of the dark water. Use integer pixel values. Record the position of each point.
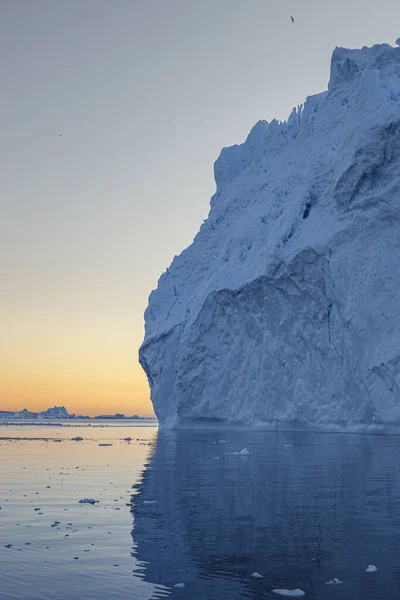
(302, 509)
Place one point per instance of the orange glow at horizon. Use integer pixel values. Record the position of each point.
(87, 365)
(81, 397)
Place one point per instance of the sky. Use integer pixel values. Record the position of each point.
(144, 93)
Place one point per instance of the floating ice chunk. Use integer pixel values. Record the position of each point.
(88, 501)
(371, 569)
(221, 442)
(179, 585)
(295, 593)
(216, 458)
(149, 501)
(78, 438)
(243, 452)
(257, 575)
(334, 581)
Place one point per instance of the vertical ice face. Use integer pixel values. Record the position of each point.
(286, 307)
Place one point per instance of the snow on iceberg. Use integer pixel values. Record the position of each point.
(371, 569)
(285, 309)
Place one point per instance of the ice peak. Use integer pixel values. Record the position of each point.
(347, 63)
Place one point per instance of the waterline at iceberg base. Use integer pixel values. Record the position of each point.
(285, 310)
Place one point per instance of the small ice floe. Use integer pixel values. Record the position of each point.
(55, 524)
(78, 438)
(334, 581)
(127, 439)
(179, 585)
(88, 501)
(294, 593)
(149, 501)
(243, 452)
(371, 569)
(221, 442)
(216, 458)
(257, 575)
(105, 444)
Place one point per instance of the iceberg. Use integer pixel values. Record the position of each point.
(285, 310)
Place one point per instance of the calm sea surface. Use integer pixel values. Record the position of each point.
(181, 507)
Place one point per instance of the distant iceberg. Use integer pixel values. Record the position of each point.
(57, 412)
(285, 309)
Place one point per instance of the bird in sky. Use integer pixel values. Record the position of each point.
(292, 18)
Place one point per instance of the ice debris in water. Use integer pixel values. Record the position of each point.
(371, 569)
(244, 452)
(88, 501)
(295, 593)
(149, 501)
(256, 575)
(334, 581)
(179, 585)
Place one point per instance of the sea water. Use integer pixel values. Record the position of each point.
(189, 515)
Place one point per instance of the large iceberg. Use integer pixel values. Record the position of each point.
(285, 309)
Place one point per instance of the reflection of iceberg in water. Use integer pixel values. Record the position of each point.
(303, 508)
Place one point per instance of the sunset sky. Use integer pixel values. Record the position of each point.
(145, 94)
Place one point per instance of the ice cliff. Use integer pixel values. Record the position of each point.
(285, 309)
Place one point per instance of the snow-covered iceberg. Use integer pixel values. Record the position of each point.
(285, 309)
